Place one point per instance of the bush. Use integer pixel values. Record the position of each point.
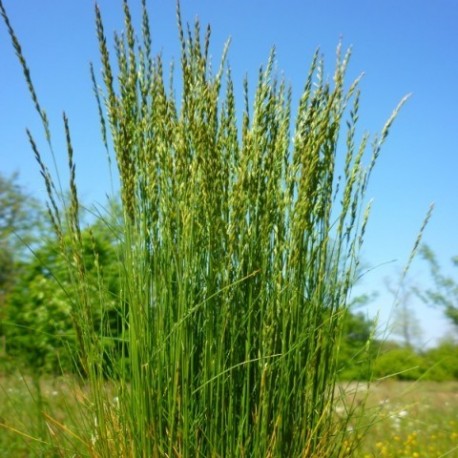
(40, 334)
(402, 363)
(358, 347)
(441, 362)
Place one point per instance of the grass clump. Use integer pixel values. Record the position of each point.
(239, 248)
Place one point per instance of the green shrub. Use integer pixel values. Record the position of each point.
(39, 316)
(441, 362)
(358, 347)
(402, 363)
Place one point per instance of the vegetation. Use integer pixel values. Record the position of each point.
(209, 315)
(413, 419)
(20, 216)
(444, 294)
(40, 332)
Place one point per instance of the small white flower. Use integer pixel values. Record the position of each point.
(340, 410)
(396, 417)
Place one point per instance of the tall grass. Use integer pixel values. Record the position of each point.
(239, 250)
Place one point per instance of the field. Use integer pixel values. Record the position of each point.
(410, 419)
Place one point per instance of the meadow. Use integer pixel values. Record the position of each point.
(412, 419)
(408, 419)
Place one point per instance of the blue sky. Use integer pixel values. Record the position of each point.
(407, 46)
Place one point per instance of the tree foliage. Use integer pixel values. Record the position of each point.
(358, 347)
(14, 223)
(444, 293)
(20, 220)
(39, 311)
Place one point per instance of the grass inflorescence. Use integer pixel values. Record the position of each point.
(238, 251)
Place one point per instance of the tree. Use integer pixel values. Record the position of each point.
(444, 294)
(11, 212)
(358, 347)
(20, 216)
(40, 313)
(405, 324)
